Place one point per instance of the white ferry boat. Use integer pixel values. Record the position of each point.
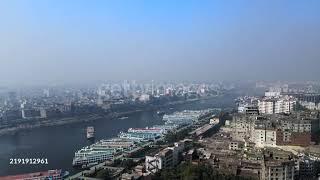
(56, 174)
(146, 130)
(182, 118)
(89, 155)
(90, 132)
(101, 151)
(139, 136)
(166, 128)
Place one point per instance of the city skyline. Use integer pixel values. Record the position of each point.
(67, 42)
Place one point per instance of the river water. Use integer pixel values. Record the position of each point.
(58, 143)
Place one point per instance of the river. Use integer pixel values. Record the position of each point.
(58, 143)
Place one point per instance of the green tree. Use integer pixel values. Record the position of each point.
(103, 174)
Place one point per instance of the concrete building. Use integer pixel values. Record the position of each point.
(176, 150)
(272, 130)
(144, 98)
(272, 94)
(236, 145)
(264, 132)
(310, 101)
(278, 165)
(310, 105)
(289, 138)
(251, 169)
(296, 125)
(283, 104)
(248, 109)
(265, 137)
(307, 167)
(165, 159)
(266, 106)
(294, 132)
(279, 169)
(227, 123)
(242, 127)
(162, 160)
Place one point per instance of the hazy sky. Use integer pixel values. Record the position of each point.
(60, 41)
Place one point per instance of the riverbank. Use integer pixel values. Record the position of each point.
(91, 117)
(165, 141)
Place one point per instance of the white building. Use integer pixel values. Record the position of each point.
(272, 94)
(165, 159)
(162, 160)
(144, 98)
(43, 113)
(214, 121)
(227, 123)
(241, 108)
(283, 104)
(265, 137)
(310, 105)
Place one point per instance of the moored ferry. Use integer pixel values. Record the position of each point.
(101, 151)
(139, 136)
(146, 130)
(56, 174)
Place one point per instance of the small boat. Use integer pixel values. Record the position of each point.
(160, 113)
(90, 132)
(50, 174)
(124, 117)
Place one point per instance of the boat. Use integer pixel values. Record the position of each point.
(181, 118)
(101, 151)
(124, 117)
(160, 113)
(146, 130)
(92, 154)
(140, 136)
(50, 174)
(90, 132)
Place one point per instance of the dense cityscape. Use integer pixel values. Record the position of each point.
(269, 130)
(39, 106)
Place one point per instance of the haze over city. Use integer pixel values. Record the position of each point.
(159, 90)
(80, 41)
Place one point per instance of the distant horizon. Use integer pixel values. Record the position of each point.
(98, 83)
